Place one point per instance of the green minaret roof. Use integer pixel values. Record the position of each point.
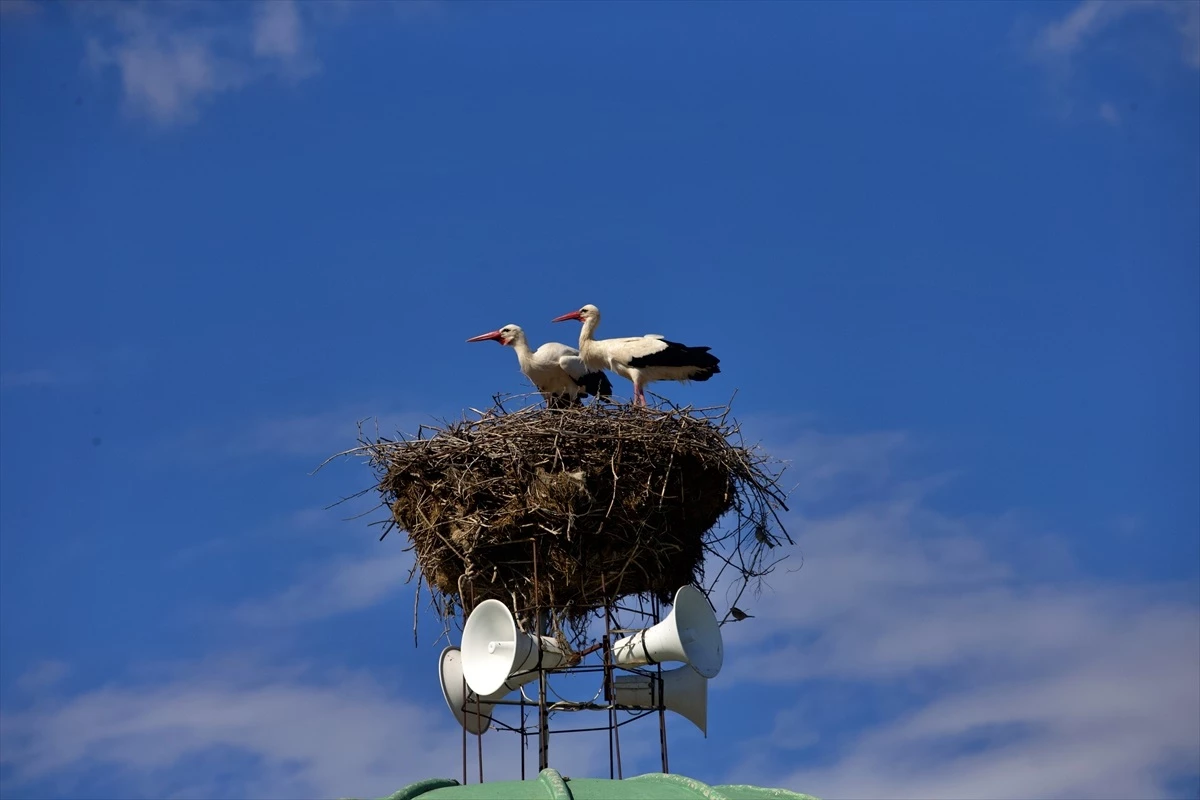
(550, 785)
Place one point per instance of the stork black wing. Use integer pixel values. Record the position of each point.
(596, 384)
(680, 355)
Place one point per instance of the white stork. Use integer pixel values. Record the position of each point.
(555, 369)
(641, 359)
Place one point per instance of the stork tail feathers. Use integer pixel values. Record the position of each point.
(596, 384)
(702, 363)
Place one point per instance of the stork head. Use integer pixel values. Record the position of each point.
(506, 335)
(588, 312)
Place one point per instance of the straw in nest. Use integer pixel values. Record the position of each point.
(573, 509)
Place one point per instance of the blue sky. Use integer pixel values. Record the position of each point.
(949, 255)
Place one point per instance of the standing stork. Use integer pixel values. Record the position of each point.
(641, 359)
(555, 369)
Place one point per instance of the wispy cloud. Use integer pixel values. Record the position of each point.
(42, 676)
(79, 368)
(350, 584)
(308, 733)
(308, 434)
(31, 377)
(1003, 680)
(970, 667)
(1067, 35)
(1070, 35)
(174, 57)
(1108, 112)
(311, 436)
(277, 31)
(320, 531)
(18, 8)
(1143, 40)
(823, 467)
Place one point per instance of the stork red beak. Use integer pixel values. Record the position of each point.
(484, 337)
(565, 317)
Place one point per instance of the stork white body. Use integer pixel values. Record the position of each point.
(641, 359)
(557, 370)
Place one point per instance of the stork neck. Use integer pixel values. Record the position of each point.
(586, 332)
(522, 348)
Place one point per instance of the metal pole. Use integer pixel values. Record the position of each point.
(543, 714)
(543, 625)
(464, 727)
(609, 694)
(616, 729)
(610, 686)
(479, 747)
(662, 702)
(662, 721)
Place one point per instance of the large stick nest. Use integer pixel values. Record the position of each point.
(573, 509)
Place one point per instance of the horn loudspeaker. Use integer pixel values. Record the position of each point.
(472, 711)
(690, 634)
(495, 651)
(684, 691)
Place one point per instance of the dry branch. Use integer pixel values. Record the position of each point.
(610, 501)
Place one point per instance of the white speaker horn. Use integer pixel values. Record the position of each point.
(690, 634)
(494, 650)
(684, 691)
(472, 711)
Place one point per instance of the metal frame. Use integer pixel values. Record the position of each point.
(544, 709)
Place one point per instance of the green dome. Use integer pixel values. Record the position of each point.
(550, 785)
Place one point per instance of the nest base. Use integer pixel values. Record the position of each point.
(573, 509)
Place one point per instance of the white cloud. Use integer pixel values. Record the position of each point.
(1068, 34)
(310, 528)
(351, 584)
(30, 377)
(1189, 29)
(311, 434)
(1143, 42)
(1016, 684)
(1071, 35)
(277, 30)
(824, 467)
(43, 676)
(18, 8)
(999, 676)
(314, 436)
(173, 57)
(1108, 112)
(309, 733)
(78, 368)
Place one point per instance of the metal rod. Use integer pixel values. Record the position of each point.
(479, 742)
(645, 713)
(662, 702)
(543, 713)
(662, 720)
(616, 728)
(464, 727)
(543, 623)
(466, 694)
(567, 705)
(524, 735)
(612, 715)
(587, 651)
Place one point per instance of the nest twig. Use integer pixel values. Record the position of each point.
(609, 501)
